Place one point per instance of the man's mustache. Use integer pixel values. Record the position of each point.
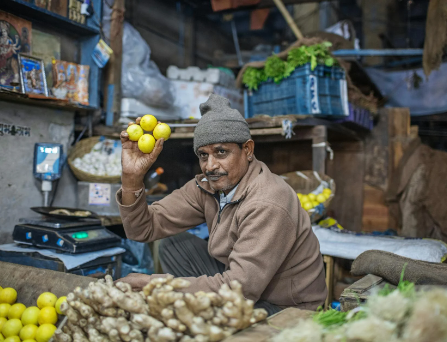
(216, 174)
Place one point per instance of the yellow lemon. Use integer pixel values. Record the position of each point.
(1, 288)
(8, 295)
(28, 332)
(304, 199)
(327, 192)
(47, 315)
(46, 299)
(314, 204)
(58, 304)
(312, 197)
(16, 311)
(29, 340)
(45, 332)
(1, 337)
(300, 196)
(135, 132)
(4, 309)
(162, 130)
(30, 315)
(307, 206)
(146, 143)
(148, 123)
(321, 198)
(12, 327)
(2, 322)
(12, 339)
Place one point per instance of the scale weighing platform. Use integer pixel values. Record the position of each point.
(80, 236)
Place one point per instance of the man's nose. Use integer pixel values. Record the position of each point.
(212, 164)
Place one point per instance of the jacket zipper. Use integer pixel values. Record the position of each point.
(218, 203)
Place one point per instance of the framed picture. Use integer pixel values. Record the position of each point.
(15, 38)
(47, 47)
(32, 74)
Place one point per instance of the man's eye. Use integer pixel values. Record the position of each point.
(203, 155)
(222, 152)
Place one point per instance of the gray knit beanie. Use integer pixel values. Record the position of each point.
(220, 124)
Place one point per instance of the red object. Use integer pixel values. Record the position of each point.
(159, 171)
(258, 18)
(220, 5)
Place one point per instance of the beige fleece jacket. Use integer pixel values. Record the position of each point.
(263, 236)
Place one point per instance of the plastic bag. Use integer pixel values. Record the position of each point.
(137, 259)
(140, 77)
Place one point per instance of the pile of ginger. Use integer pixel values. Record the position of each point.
(160, 313)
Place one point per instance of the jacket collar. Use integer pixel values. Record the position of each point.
(254, 169)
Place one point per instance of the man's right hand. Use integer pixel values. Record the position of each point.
(135, 163)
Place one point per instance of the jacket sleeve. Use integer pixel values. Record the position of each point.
(179, 211)
(266, 235)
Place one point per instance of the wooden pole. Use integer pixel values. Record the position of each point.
(288, 18)
(113, 70)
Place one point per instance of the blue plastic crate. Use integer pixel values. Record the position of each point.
(322, 91)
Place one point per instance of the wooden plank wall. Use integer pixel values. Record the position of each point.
(163, 25)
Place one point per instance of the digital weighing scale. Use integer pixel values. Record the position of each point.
(65, 233)
(80, 236)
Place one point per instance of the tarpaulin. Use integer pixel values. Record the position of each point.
(399, 88)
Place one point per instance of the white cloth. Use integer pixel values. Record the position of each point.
(70, 260)
(350, 245)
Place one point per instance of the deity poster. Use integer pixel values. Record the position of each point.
(15, 38)
(32, 71)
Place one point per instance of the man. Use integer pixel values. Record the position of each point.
(259, 234)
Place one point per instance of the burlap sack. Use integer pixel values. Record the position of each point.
(389, 266)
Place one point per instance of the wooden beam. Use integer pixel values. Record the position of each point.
(113, 69)
(296, 31)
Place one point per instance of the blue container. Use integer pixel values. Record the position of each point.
(322, 92)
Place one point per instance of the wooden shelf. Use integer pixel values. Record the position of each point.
(46, 102)
(263, 131)
(36, 14)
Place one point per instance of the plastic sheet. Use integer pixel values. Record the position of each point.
(140, 77)
(349, 245)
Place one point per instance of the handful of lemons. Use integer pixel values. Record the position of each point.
(310, 201)
(148, 123)
(30, 324)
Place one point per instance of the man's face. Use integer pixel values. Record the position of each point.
(224, 164)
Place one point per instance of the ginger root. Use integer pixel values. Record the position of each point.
(160, 313)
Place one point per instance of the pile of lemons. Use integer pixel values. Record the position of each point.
(148, 123)
(28, 324)
(312, 200)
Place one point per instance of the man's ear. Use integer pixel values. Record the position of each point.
(249, 149)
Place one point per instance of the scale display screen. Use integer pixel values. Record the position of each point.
(47, 161)
(90, 235)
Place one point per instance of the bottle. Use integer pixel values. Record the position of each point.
(154, 178)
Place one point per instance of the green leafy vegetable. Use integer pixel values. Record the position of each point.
(253, 77)
(276, 69)
(330, 318)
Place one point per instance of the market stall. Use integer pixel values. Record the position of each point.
(215, 170)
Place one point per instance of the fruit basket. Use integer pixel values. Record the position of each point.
(79, 151)
(314, 190)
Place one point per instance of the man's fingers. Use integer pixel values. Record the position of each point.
(137, 121)
(158, 148)
(124, 137)
(130, 123)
